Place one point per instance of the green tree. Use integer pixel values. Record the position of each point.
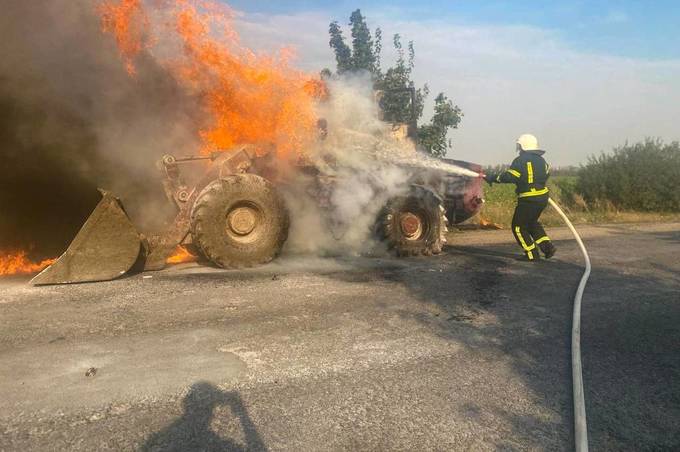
(433, 136)
(364, 53)
(363, 50)
(377, 50)
(397, 85)
(400, 102)
(343, 54)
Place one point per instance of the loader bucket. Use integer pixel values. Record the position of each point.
(106, 247)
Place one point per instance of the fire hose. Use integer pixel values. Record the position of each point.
(580, 425)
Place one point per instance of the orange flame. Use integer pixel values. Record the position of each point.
(17, 263)
(488, 224)
(249, 97)
(128, 23)
(180, 256)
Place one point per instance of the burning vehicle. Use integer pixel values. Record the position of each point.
(235, 216)
(188, 85)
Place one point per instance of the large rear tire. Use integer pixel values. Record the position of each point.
(239, 221)
(414, 224)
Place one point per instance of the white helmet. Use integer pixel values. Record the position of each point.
(527, 142)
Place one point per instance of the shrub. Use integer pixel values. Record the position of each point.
(565, 189)
(644, 176)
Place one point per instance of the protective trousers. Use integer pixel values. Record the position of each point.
(528, 231)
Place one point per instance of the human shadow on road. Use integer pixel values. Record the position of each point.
(193, 432)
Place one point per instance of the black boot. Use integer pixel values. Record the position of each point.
(548, 249)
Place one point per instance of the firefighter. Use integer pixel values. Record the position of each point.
(529, 172)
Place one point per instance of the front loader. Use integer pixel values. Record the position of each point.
(232, 217)
(235, 217)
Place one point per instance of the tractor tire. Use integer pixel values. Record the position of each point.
(239, 221)
(414, 224)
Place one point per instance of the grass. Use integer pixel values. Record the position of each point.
(501, 200)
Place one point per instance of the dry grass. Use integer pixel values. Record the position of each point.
(501, 200)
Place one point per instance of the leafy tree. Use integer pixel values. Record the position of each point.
(363, 50)
(377, 50)
(397, 85)
(343, 54)
(433, 136)
(401, 102)
(364, 53)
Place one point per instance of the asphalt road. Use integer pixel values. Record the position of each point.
(465, 351)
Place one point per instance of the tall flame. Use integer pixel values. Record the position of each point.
(249, 97)
(17, 263)
(127, 22)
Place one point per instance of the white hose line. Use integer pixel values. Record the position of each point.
(580, 425)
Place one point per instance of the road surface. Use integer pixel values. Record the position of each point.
(465, 351)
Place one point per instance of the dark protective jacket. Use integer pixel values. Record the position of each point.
(529, 172)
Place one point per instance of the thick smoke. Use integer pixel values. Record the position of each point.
(364, 163)
(72, 119)
(359, 180)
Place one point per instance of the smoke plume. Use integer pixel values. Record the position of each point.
(82, 107)
(351, 160)
(72, 119)
(366, 165)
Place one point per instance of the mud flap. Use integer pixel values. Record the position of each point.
(106, 247)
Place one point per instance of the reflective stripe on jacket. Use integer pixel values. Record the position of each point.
(529, 172)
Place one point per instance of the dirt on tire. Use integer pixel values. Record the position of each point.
(239, 221)
(413, 224)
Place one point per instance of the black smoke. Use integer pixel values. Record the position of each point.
(72, 119)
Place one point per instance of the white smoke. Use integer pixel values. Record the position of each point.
(337, 214)
(363, 164)
(355, 128)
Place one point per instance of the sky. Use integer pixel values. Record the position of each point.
(584, 76)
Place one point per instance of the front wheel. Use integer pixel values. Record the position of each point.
(239, 221)
(413, 224)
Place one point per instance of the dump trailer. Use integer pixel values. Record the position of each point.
(236, 217)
